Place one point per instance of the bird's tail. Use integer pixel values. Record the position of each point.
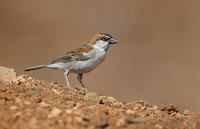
(35, 67)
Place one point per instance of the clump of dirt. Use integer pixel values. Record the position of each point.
(35, 104)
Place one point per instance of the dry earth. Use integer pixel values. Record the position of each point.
(34, 104)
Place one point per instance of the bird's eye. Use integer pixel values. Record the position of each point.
(105, 38)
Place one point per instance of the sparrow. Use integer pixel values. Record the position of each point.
(83, 59)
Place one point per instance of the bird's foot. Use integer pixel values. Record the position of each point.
(81, 89)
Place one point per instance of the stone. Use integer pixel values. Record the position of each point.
(90, 95)
(71, 104)
(92, 98)
(13, 108)
(130, 119)
(55, 112)
(44, 105)
(108, 100)
(7, 74)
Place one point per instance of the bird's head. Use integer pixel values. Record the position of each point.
(103, 40)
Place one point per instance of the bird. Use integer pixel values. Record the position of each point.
(82, 59)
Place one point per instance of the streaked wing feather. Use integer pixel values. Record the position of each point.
(63, 59)
(75, 55)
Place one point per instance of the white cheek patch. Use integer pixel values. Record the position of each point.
(101, 43)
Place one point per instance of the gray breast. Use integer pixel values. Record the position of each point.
(97, 57)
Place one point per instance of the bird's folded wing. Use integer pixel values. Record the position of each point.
(79, 54)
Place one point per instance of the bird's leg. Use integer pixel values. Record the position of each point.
(80, 77)
(66, 74)
(82, 88)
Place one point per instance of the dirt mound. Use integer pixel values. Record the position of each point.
(34, 104)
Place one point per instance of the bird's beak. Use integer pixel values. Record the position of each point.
(113, 41)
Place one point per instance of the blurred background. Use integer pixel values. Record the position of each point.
(157, 58)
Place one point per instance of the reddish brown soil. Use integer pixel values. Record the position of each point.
(32, 104)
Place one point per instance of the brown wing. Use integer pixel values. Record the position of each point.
(75, 55)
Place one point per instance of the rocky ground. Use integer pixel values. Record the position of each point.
(33, 104)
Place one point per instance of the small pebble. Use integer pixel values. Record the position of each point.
(13, 107)
(43, 104)
(71, 104)
(92, 98)
(90, 95)
(108, 99)
(55, 112)
(186, 112)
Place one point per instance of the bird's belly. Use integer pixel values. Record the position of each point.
(86, 66)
